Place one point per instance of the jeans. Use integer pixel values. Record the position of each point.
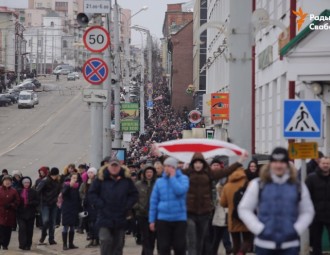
(111, 241)
(316, 232)
(25, 232)
(291, 251)
(49, 214)
(197, 227)
(220, 234)
(171, 235)
(148, 237)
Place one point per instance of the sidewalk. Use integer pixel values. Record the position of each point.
(80, 240)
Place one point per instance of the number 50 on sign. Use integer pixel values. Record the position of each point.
(96, 39)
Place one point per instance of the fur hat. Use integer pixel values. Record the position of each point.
(92, 170)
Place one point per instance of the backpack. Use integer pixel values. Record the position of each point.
(238, 195)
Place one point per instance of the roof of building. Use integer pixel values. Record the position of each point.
(304, 33)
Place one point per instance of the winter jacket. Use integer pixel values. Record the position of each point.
(284, 211)
(113, 198)
(9, 201)
(199, 196)
(71, 205)
(220, 214)
(168, 198)
(28, 211)
(235, 181)
(319, 188)
(87, 202)
(312, 166)
(48, 190)
(144, 188)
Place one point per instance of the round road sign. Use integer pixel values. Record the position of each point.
(195, 116)
(96, 39)
(95, 71)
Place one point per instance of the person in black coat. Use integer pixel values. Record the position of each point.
(71, 207)
(113, 194)
(318, 184)
(26, 213)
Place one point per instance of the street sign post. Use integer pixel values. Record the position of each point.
(302, 119)
(150, 91)
(195, 116)
(95, 95)
(95, 71)
(101, 7)
(96, 39)
(304, 150)
(150, 104)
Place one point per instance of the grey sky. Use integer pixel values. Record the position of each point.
(14, 3)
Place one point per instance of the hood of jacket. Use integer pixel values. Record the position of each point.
(153, 170)
(103, 173)
(238, 175)
(26, 177)
(198, 157)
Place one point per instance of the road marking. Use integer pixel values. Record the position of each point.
(42, 126)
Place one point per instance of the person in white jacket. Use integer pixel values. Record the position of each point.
(283, 205)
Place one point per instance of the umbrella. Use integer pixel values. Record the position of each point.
(185, 149)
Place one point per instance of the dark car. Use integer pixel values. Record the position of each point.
(28, 86)
(4, 101)
(34, 81)
(12, 98)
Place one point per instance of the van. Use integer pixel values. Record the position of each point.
(26, 99)
(63, 69)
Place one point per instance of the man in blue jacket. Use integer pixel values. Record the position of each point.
(113, 194)
(168, 210)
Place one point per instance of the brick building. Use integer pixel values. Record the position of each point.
(181, 49)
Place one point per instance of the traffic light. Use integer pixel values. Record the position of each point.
(84, 18)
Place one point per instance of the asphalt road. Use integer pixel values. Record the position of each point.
(55, 133)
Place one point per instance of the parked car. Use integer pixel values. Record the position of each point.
(26, 100)
(60, 68)
(65, 71)
(12, 98)
(25, 86)
(76, 74)
(4, 101)
(71, 77)
(34, 81)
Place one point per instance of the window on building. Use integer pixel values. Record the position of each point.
(39, 5)
(65, 44)
(52, 24)
(29, 15)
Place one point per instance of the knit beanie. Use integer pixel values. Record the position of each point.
(280, 154)
(92, 170)
(54, 171)
(16, 172)
(171, 162)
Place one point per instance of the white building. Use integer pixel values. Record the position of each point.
(306, 59)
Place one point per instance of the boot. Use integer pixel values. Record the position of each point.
(65, 241)
(71, 237)
(91, 244)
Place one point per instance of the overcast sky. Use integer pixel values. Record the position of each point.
(152, 18)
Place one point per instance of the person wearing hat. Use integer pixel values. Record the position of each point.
(144, 187)
(87, 205)
(17, 176)
(113, 194)
(285, 209)
(9, 201)
(26, 213)
(43, 173)
(48, 191)
(168, 209)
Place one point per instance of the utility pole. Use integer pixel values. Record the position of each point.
(117, 140)
(45, 54)
(107, 131)
(149, 46)
(52, 50)
(142, 103)
(37, 59)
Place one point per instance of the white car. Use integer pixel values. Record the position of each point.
(26, 99)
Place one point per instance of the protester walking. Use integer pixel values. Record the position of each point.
(9, 201)
(318, 184)
(241, 237)
(48, 191)
(168, 209)
(285, 209)
(141, 208)
(26, 213)
(89, 209)
(113, 194)
(200, 200)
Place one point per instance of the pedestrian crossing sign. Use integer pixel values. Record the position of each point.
(302, 119)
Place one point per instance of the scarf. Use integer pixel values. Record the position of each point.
(24, 196)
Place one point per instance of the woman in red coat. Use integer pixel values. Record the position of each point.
(9, 201)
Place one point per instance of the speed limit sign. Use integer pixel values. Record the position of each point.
(96, 39)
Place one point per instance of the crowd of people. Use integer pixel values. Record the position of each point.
(189, 209)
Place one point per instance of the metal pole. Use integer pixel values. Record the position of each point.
(149, 45)
(117, 141)
(37, 60)
(96, 122)
(52, 50)
(142, 103)
(45, 54)
(107, 136)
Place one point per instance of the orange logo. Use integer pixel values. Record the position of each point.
(302, 16)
